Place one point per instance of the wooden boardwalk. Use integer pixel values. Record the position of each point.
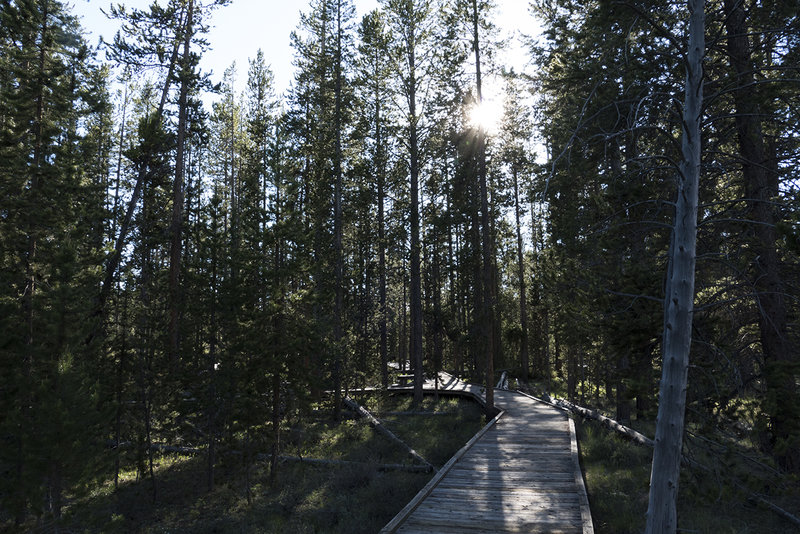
(519, 474)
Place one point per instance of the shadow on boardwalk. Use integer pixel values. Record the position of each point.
(519, 474)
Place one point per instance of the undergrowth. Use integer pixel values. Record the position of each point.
(351, 499)
(617, 475)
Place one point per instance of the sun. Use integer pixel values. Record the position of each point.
(487, 116)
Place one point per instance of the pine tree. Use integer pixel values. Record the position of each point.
(373, 71)
(53, 108)
(321, 97)
(411, 22)
(760, 174)
(516, 133)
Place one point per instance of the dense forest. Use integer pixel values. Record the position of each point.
(177, 275)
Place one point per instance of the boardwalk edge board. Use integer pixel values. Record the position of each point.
(583, 498)
(397, 521)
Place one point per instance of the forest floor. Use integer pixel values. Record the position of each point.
(303, 498)
(617, 473)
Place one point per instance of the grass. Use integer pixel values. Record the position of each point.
(617, 476)
(304, 498)
(435, 438)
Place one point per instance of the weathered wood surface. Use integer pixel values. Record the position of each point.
(520, 474)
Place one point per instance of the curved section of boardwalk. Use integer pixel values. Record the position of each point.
(520, 475)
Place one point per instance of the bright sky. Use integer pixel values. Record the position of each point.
(244, 26)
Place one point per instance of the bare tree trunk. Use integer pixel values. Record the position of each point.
(177, 193)
(678, 308)
(113, 261)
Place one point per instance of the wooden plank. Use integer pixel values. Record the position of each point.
(503, 509)
(560, 436)
(491, 447)
(442, 528)
(543, 494)
(501, 504)
(494, 523)
(522, 484)
(498, 517)
(499, 449)
(418, 528)
(518, 468)
(549, 486)
(500, 461)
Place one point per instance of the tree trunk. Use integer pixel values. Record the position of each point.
(120, 382)
(276, 426)
(437, 312)
(211, 415)
(113, 261)
(488, 284)
(177, 193)
(623, 402)
(337, 223)
(761, 190)
(678, 308)
(381, 178)
(403, 339)
(571, 373)
(416, 275)
(523, 307)
(145, 350)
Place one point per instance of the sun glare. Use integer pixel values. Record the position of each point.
(487, 116)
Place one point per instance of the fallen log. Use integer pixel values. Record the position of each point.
(160, 447)
(347, 463)
(629, 433)
(176, 450)
(379, 426)
(758, 499)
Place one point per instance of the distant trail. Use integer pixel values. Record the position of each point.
(519, 474)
